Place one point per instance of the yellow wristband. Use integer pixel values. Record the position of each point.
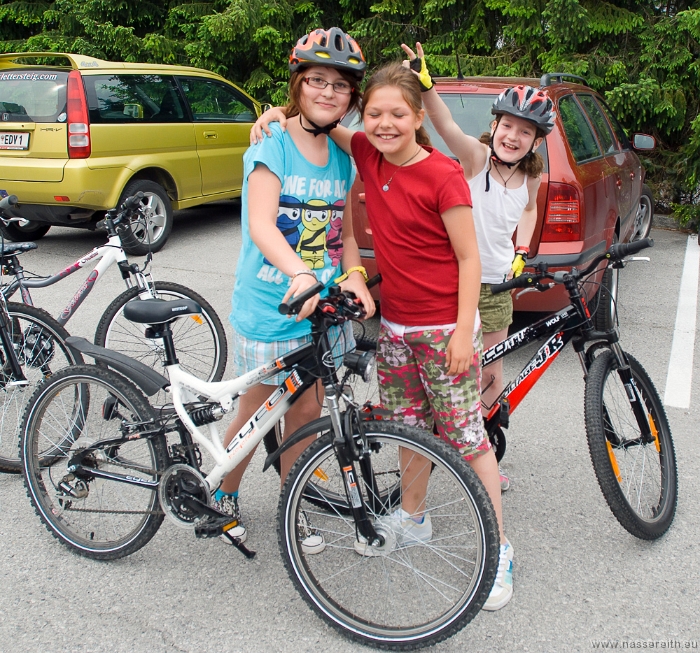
(347, 273)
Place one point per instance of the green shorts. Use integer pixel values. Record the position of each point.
(496, 311)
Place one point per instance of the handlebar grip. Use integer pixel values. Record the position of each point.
(132, 202)
(295, 304)
(374, 280)
(523, 281)
(8, 202)
(621, 250)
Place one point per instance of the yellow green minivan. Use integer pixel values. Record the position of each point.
(78, 135)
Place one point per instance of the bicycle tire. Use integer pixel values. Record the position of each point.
(40, 346)
(342, 586)
(111, 519)
(200, 341)
(638, 480)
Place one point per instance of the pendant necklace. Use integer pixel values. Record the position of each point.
(505, 181)
(385, 187)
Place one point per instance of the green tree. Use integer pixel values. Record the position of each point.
(643, 55)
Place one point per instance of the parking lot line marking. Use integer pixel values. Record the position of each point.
(680, 365)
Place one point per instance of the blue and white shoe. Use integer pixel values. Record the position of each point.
(502, 590)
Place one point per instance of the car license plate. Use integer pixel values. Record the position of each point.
(14, 140)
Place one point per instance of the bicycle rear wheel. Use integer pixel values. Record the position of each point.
(96, 517)
(638, 479)
(407, 596)
(40, 346)
(200, 340)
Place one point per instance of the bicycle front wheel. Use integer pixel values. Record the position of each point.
(637, 478)
(200, 340)
(100, 518)
(411, 593)
(39, 344)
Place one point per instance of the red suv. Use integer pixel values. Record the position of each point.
(592, 192)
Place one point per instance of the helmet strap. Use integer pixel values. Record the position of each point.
(316, 130)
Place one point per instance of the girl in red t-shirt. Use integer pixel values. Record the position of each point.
(429, 350)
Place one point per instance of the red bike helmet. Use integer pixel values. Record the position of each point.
(527, 103)
(333, 48)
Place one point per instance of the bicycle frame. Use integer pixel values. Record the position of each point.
(558, 329)
(105, 255)
(185, 387)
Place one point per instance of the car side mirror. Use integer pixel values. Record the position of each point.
(265, 107)
(643, 142)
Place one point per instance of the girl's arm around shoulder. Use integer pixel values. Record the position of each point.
(460, 230)
(340, 135)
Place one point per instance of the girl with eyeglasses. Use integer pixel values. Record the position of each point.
(294, 183)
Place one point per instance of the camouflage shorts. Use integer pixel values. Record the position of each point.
(415, 387)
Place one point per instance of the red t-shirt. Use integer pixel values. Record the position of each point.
(420, 279)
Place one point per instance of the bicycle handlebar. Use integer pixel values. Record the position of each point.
(525, 280)
(293, 306)
(131, 203)
(614, 254)
(620, 250)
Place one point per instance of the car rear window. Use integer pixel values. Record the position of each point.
(33, 95)
(578, 132)
(133, 99)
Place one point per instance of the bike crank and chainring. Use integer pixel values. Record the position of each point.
(179, 484)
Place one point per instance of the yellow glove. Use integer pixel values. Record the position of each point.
(518, 265)
(418, 64)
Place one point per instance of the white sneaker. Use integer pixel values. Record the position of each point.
(229, 505)
(502, 590)
(312, 542)
(404, 530)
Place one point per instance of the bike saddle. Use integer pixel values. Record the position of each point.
(13, 248)
(159, 311)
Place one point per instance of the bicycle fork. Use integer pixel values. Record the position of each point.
(640, 412)
(347, 453)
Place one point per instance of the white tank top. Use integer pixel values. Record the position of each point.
(496, 215)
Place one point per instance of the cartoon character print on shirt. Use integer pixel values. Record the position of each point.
(288, 220)
(315, 217)
(334, 240)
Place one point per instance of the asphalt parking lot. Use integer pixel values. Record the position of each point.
(581, 581)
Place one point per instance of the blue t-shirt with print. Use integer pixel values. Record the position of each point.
(310, 216)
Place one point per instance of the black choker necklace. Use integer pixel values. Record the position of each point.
(318, 129)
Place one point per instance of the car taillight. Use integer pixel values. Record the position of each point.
(562, 220)
(78, 119)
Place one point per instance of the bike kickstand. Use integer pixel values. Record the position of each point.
(240, 546)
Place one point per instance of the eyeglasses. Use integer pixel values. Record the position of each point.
(342, 88)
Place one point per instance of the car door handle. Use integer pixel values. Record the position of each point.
(211, 135)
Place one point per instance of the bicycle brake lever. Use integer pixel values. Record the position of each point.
(631, 259)
(538, 287)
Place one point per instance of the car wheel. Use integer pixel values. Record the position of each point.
(30, 231)
(605, 316)
(644, 215)
(150, 231)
